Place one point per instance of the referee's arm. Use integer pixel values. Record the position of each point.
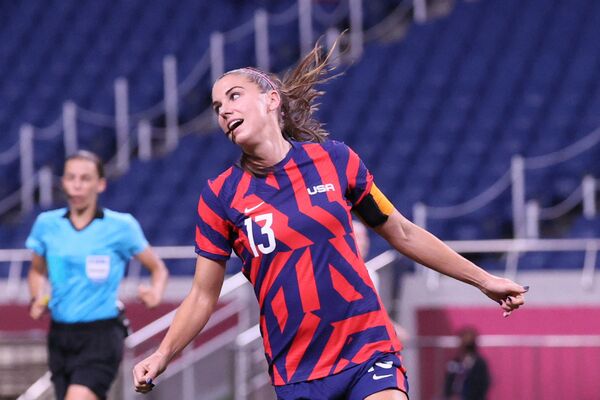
(152, 295)
(37, 279)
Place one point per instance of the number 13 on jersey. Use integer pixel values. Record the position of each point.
(264, 230)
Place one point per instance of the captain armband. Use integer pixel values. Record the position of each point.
(374, 209)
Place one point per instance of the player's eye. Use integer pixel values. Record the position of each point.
(234, 96)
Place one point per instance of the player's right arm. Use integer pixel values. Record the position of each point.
(36, 279)
(191, 316)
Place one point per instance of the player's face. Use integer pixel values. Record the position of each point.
(242, 110)
(82, 183)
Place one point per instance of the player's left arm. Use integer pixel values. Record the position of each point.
(423, 247)
(37, 279)
(152, 295)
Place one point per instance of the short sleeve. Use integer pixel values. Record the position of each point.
(34, 240)
(213, 229)
(135, 241)
(357, 176)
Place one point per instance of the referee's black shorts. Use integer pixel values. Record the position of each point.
(85, 354)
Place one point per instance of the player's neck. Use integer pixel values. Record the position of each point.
(269, 152)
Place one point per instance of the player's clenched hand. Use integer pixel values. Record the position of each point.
(505, 292)
(147, 370)
(150, 297)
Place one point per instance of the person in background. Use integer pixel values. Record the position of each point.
(467, 374)
(83, 250)
(285, 209)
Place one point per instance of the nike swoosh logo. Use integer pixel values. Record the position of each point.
(249, 210)
(378, 377)
(385, 364)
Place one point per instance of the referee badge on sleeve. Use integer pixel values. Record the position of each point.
(97, 268)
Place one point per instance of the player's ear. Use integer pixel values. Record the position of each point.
(101, 185)
(273, 100)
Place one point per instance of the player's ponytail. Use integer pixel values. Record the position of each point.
(298, 98)
(299, 95)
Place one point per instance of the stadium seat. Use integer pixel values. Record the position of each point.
(436, 116)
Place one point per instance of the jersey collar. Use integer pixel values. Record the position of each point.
(98, 215)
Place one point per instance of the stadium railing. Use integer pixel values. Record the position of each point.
(526, 214)
(135, 129)
(231, 341)
(13, 285)
(184, 378)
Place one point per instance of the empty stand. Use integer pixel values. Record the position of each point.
(436, 116)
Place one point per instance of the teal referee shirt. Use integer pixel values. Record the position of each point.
(85, 267)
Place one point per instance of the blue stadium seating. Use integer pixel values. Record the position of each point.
(436, 116)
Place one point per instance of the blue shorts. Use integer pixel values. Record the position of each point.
(384, 371)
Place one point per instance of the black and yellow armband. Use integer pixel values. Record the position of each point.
(374, 209)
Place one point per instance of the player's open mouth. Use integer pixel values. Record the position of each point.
(234, 124)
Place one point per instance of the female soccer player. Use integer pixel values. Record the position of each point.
(83, 250)
(285, 210)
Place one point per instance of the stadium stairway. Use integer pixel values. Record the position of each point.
(22, 361)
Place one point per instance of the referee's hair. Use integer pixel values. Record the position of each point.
(90, 156)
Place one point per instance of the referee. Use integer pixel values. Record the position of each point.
(82, 251)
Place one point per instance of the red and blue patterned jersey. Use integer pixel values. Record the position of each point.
(292, 229)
